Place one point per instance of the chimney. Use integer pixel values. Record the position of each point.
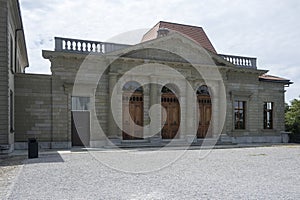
(162, 32)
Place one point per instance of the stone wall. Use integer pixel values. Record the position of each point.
(255, 93)
(4, 112)
(273, 92)
(32, 109)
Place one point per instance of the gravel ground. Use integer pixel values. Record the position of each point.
(240, 173)
(9, 170)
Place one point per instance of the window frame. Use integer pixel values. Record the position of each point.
(11, 54)
(266, 110)
(11, 111)
(87, 106)
(239, 108)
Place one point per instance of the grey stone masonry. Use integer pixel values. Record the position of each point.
(4, 129)
(33, 106)
(249, 89)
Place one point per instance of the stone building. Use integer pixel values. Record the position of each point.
(171, 88)
(13, 60)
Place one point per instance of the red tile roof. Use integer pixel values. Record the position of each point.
(193, 32)
(270, 78)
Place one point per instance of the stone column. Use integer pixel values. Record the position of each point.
(221, 111)
(153, 91)
(154, 99)
(190, 112)
(112, 127)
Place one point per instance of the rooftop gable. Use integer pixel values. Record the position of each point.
(195, 33)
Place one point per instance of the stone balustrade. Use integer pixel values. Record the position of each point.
(240, 61)
(86, 46)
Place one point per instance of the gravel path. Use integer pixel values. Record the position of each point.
(10, 168)
(240, 173)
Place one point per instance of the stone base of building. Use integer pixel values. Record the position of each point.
(257, 139)
(156, 142)
(45, 145)
(6, 149)
(98, 143)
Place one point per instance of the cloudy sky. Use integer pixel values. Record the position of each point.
(268, 30)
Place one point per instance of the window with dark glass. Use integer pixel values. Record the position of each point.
(268, 115)
(203, 90)
(11, 111)
(80, 103)
(239, 114)
(11, 53)
(133, 86)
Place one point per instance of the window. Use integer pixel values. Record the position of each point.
(268, 115)
(80, 103)
(203, 90)
(133, 86)
(239, 114)
(11, 53)
(11, 111)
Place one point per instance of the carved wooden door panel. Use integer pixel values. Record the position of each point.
(133, 104)
(172, 115)
(205, 110)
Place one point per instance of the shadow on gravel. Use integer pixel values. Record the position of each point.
(12, 160)
(20, 160)
(45, 158)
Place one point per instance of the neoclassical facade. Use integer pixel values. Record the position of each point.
(165, 90)
(171, 88)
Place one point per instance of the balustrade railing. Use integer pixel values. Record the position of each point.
(86, 46)
(240, 61)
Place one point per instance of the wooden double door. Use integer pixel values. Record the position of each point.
(133, 115)
(205, 112)
(133, 112)
(170, 128)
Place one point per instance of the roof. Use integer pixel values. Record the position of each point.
(193, 32)
(270, 78)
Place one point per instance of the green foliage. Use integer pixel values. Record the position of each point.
(292, 117)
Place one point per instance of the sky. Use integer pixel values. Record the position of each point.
(268, 30)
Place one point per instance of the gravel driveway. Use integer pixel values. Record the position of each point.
(239, 173)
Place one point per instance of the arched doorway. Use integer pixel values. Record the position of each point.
(132, 111)
(205, 111)
(171, 104)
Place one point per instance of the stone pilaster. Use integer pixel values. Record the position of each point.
(112, 127)
(154, 99)
(190, 113)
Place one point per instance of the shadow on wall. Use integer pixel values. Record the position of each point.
(294, 138)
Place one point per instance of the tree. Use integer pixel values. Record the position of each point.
(292, 118)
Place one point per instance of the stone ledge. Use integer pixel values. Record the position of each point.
(45, 145)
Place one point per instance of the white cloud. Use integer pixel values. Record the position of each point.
(267, 29)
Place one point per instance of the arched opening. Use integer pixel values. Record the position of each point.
(132, 111)
(171, 104)
(205, 112)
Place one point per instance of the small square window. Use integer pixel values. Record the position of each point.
(80, 103)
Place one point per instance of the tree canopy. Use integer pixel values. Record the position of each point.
(292, 117)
